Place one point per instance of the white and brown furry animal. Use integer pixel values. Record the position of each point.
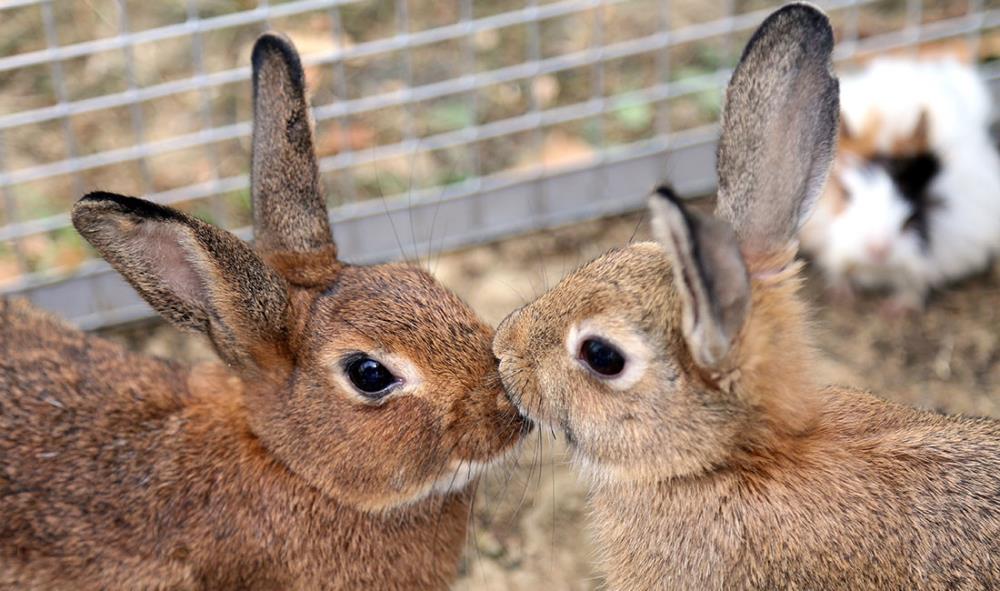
(335, 449)
(914, 198)
(682, 374)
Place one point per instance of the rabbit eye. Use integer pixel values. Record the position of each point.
(601, 357)
(370, 376)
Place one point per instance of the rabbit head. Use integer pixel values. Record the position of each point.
(662, 359)
(375, 384)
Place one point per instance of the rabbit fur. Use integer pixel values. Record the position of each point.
(271, 470)
(715, 459)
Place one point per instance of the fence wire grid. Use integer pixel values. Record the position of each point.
(438, 123)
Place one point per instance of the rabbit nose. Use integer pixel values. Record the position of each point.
(878, 251)
(506, 335)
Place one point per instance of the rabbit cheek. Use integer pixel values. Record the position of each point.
(372, 464)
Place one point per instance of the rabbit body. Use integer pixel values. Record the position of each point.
(682, 374)
(336, 447)
(125, 471)
(872, 496)
(755, 477)
(914, 198)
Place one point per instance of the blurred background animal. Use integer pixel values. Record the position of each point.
(913, 201)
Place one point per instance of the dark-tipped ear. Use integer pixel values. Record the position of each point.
(289, 211)
(197, 276)
(779, 129)
(709, 273)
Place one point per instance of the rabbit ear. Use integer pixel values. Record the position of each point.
(709, 273)
(195, 275)
(779, 128)
(289, 211)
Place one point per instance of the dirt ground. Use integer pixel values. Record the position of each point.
(529, 530)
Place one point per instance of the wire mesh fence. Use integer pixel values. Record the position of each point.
(438, 123)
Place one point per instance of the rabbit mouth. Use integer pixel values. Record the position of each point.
(530, 418)
(518, 423)
(523, 414)
(517, 402)
(568, 432)
(527, 424)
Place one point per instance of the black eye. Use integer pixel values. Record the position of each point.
(602, 357)
(369, 376)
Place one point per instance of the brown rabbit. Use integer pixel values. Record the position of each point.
(335, 450)
(682, 376)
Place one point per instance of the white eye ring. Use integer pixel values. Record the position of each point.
(627, 341)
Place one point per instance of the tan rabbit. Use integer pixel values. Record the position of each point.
(335, 450)
(683, 378)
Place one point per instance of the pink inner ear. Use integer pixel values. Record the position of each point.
(162, 245)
